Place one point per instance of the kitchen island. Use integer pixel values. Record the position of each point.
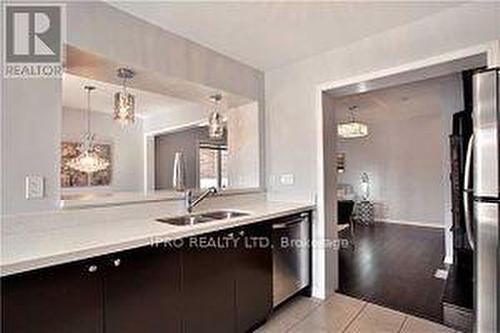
(117, 269)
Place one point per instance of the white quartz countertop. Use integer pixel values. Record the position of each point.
(33, 241)
(89, 199)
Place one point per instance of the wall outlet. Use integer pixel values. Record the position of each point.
(35, 188)
(287, 179)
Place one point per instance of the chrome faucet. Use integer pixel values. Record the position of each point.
(190, 202)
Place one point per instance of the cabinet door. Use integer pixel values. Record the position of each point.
(65, 298)
(208, 283)
(142, 291)
(253, 277)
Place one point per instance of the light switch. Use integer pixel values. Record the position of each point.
(287, 179)
(34, 187)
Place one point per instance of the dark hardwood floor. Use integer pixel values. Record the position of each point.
(394, 265)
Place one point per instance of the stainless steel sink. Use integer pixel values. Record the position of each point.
(225, 214)
(202, 218)
(186, 219)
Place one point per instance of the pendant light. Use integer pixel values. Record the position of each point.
(124, 106)
(88, 159)
(352, 128)
(215, 120)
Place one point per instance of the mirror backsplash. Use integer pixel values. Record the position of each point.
(141, 155)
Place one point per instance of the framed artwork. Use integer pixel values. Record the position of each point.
(74, 178)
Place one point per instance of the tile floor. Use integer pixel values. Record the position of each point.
(344, 314)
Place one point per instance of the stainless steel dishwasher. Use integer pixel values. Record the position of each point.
(291, 256)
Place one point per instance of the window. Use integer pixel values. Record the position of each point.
(213, 165)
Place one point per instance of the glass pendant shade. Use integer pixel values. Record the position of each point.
(352, 129)
(216, 124)
(124, 108)
(88, 159)
(88, 162)
(124, 103)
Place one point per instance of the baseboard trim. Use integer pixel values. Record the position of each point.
(413, 223)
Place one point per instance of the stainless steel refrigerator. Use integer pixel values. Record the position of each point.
(483, 197)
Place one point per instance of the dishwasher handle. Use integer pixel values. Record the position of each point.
(288, 224)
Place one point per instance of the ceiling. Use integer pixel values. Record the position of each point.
(416, 99)
(266, 35)
(147, 103)
(94, 67)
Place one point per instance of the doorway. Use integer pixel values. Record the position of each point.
(395, 180)
(330, 179)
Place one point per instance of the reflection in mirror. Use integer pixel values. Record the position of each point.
(227, 162)
(213, 165)
(141, 154)
(204, 159)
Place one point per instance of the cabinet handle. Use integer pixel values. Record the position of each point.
(242, 233)
(92, 268)
(117, 262)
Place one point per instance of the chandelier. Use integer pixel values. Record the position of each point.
(88, 159)
(352, 128)
(215, 121)
(124, 106)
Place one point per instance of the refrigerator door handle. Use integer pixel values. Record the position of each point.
(467, 192)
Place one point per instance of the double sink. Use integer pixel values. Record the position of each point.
(192, 219)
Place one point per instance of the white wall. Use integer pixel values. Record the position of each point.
(175, 119)
(291, 90)
(325, 259)
(126, 145)
(31, 130)
(243, 146)
(403, 159)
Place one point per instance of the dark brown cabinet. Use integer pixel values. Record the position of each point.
(218, 282)
(134, 291)
(66, 298)
(253, 277)
(208, 283)
(142, 291)
(227, 280)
